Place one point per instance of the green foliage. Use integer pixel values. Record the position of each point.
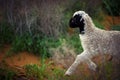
(116, 27)
(35, 71)
(6, 33)
(41, 72)
(39, 45)
(106, 70)
(97, 24)
(6, 74)
(58, 74)
(112, 7)
(109, 69)
(74, 41)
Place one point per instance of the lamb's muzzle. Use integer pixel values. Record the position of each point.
(94, 41)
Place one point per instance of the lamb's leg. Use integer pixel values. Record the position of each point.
(92, 65)
(80, 58)
(83, 57)
(72, 68)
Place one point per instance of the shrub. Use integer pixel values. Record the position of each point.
(6, 74)
(38, 45)
(74, 41)
(6, 33)
(44, 72)
(112, 7)
(115, 27)
(58, 74)
(35, 71)
(98, 24)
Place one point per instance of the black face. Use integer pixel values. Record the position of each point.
(77, 22)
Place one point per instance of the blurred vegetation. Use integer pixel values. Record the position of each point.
(33, 27)
(34, 71)
(38, 25)
(116, 27)
(6, 33)
(74, 41)
(6, 74)
(38, 45)
(41, 72)
(112, 7)
(46, 71)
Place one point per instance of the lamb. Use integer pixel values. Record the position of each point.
(94, 41)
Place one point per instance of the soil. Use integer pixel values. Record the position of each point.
(18, 59)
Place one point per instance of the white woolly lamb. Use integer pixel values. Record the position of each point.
(94, 41)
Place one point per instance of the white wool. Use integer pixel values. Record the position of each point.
(95, 41)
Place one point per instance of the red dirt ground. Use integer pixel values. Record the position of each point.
(19, 59)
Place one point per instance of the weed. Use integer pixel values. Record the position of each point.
(112, 7)
(58, 74)
(116, 27)
(74, 41)
(98, 24)
(38, 45)
(6, 74)
(6, 33)
(109, 70)
(36, 71)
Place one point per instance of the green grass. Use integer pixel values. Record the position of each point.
(48, 71)
(116, 27)
(111, 7)
(6, 33)
(43, 72)
(74, 41)
(98, 24)
(35, 71)
(37, 45)
(7, 74)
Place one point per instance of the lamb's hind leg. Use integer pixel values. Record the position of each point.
(92, 65)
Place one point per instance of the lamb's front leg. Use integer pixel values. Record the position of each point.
(80, 58)
(83, 57)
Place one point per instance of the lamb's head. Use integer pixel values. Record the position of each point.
(78, 21)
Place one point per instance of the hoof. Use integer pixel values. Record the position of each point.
(67, 73)
(93, 66)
